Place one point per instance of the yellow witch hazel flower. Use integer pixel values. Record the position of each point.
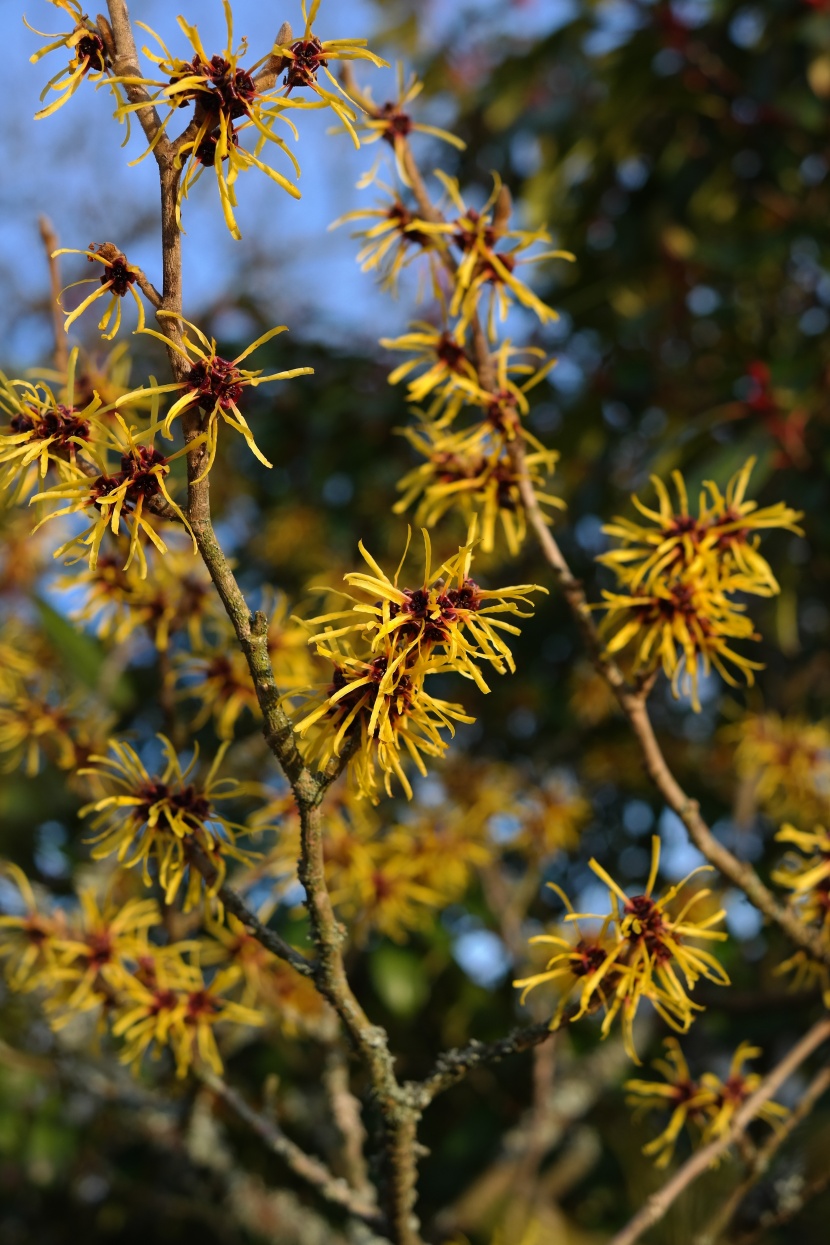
(100, 943)
(399, 722)
(88, 57)
(42, 432)
(233, 102)
(395, 239)
(805, 872)
(115, 498)
(28, 939)
(482, 266)
(708, 1104)
(213, 384)
(678, 578)
(170, 1004)
(448, 614)
(685, 1099)
(144, 818)
(472, 471)
(393, 124)
(788, 762)
(305, 57)
(721, 543)
(640, 953)
(378, 689)
(175, 596)
(117, 279)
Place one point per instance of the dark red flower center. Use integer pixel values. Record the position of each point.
(90, 48)
(308, 59)
(398, 124)
(217, 382)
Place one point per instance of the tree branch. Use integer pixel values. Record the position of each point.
(720, 1221)
(659, 1203)
(234, 903)
(632, 701)
(306, 1167)
(453, 1065)
(50, 242)
(125, 63)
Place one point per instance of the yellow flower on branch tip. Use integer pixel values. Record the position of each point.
(28, 939)
(448, 614)
(449, 372)
(585, 972)
(686, 1099)
(550, 816)
(229, 101)
(721, 542)
(117, 280)
(709, 1103)
(94, 953)
(806, 872)
(144, 817)
(477, 235)
(807, 975)
(680, 625)
(473, 471)
(44, 432)
(392, 122)
(644, 945)
(177, 1008)
(787, 761)
(41, 723)
(88, 57)
(120, 497)
(213, 384)
(307, 56)
(380, 728)
(654, 939)
(176, 596)
(397, 238)
(728, 1095)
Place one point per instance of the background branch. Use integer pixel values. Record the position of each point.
(306, 1167)
(659, 1203)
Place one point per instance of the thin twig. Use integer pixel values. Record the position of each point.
(235, 904)
(762, 1158)
(346, 1111)
(453, 1065)
(792, 1207)
(306, 1167)
(659, 1203)
(632, 701)
(50, 242)
(124, 55)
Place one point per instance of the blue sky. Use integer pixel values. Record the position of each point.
(71, 167)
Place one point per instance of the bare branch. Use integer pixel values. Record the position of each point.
(51, 242)
(660, 1202)
(762, 1158)
(632, 701)
(453, 1065)
(306, 1167)
(346, 1111)
(788, 1211)
(233, 901)
(125, 64)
